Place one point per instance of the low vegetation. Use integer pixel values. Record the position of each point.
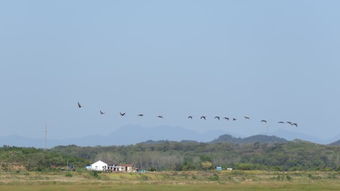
(171, 180)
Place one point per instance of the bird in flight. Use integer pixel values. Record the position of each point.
(281, 122)
(234, 119)
(264, 121)
(204, 117)
(121, 114)
(79, 106)
(295, 124)
(227, 118)
(217, 117)
(190, 117)
(246, 117)
(101, 112)
(290, 123)
(159, 116)
(141, 115)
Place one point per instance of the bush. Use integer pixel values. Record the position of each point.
(245, 166)
(144, 177)
(94, 174)
(289, 178)
(313, 177)
(68, 174)
(214, 177)
(206, 165)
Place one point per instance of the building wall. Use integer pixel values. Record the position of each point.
(102, 166)
(99, 166)
(120, 168)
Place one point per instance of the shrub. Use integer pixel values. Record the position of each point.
(68, 174)
(214, 177)
(94, 174)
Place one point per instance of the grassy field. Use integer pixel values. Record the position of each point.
(186, 181)
(164, 187)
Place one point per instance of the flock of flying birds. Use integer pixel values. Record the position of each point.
(203, 117)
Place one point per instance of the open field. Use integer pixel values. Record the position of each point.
(191, 180)
(164, 187)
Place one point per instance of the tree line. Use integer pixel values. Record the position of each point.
(168, 155)
(180, 156)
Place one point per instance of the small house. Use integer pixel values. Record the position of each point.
(141, 171)
(219, 168)
(122, 168)
(106, 167)
(98, 166)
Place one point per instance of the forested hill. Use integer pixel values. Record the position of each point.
(189, 155)
(248, 140)
(17, 158)
(256, 152)
(230, 139)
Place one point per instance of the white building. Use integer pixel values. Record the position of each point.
(98, 166)
(105, 167)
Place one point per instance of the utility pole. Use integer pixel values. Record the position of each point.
(45, 138)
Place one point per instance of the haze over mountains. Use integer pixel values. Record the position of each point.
(249, 140)
(133, 134)
(335, 143)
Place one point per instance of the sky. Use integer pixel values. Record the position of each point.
(273, 60)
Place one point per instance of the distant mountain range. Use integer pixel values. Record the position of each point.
(336, 143)
(249, 140)
(125, 135)
(133, 134)
(233, 140)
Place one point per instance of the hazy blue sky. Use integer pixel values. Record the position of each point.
(274, 60)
